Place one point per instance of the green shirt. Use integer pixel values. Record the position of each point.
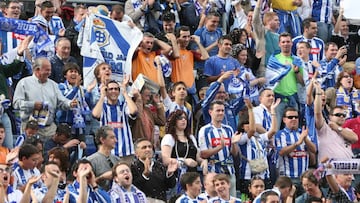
(287, 86)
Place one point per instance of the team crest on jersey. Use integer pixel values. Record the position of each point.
(101, 34)
(235, 82)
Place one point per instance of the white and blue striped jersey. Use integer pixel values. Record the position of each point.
(116, 116)
(220, 200)
(171, 106)
(295, 163)
(119, 194)
(94, 196)
(251, 151)
(262, 116)
(210, 137)
(317, 50)
(322, 10)
(22, 176)
(40, 193)
(13, 196)
(186, 199)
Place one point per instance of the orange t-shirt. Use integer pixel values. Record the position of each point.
(144, 63)
(3, 153)
(182, 68)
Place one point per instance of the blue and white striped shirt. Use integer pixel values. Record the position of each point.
(94, 196)
(210, 137)
(317, 50)
(296, 162)
(116, 116)
(322, 11)
(186, 199)
(220, 200)
(251, 151)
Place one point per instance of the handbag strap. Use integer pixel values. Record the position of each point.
(258, 151)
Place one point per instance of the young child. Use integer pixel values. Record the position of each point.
(31, 129)
(191, 183)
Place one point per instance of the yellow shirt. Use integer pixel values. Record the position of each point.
(285, 5)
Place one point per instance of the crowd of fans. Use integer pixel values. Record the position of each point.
(261, 96)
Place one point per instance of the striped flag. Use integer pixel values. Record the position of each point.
(105, 40)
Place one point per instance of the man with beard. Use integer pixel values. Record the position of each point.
(123, 190)
(84, 187)
(150, 175)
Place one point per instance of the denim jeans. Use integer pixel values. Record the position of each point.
(324, 31)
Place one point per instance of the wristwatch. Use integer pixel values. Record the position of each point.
(340, 129)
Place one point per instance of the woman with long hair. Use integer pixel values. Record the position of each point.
(179, 145)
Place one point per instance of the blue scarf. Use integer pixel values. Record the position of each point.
(41, 38)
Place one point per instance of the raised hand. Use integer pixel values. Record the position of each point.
(304, 134)
(275, 104)
(173, 166)
(33, 180)
(248, 103)
(225, 76)
(236, 137)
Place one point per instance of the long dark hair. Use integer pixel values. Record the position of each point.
(171, 124)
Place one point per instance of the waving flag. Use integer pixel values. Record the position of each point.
(106, 40)
(22, 27)
(275, 70)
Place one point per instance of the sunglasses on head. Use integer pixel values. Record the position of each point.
(340, 115)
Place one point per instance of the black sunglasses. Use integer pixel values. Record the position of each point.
(340, 115)
(292, 117)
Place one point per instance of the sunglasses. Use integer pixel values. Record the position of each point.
(292, 117)
(347, 76)
(181, 118)
(340, 115)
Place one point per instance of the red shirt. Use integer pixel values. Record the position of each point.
(354, 124)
